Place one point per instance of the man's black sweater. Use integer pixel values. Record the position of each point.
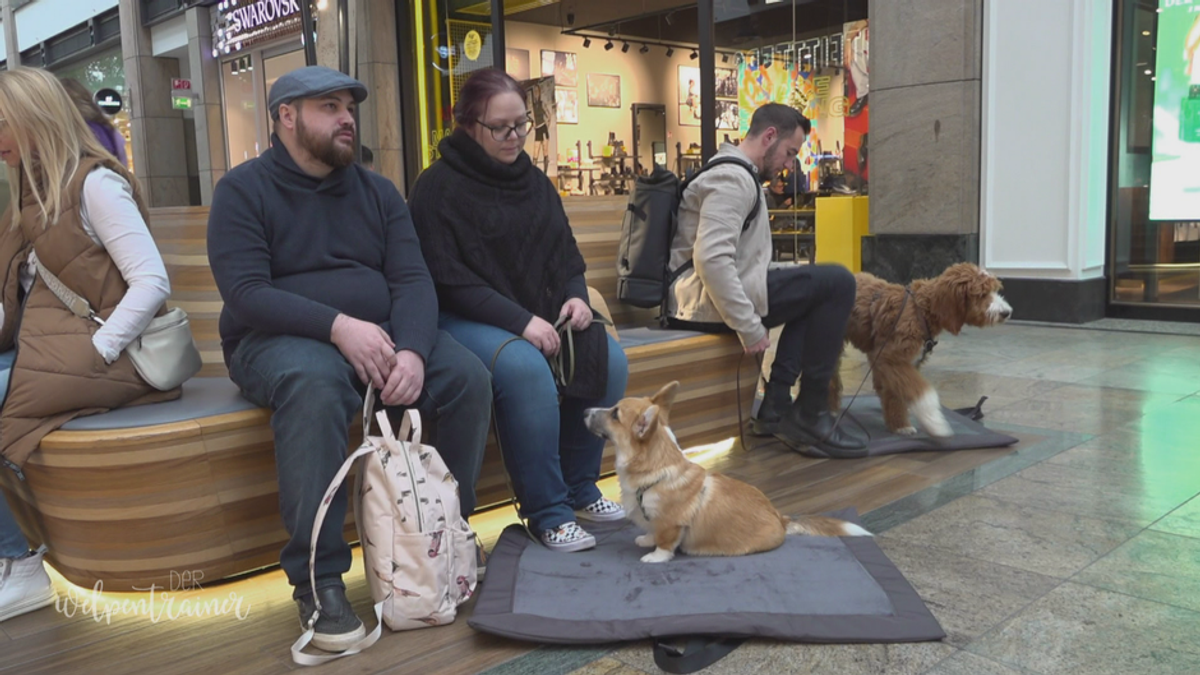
(289, 252)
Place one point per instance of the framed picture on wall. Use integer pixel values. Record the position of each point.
(726, 83)
(516, 63)
(727, 114)
(566, 106)
(603, 91)
(689, 96)
(562, 66)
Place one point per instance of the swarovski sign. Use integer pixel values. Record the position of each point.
(240, 23)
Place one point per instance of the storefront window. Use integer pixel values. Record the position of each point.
(615, 95)
(104, 71)
(241, 110)
(1155, 251)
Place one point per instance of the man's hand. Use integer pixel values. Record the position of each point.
(406, 380)
(759, 347)
(542, 335)
(366, 346)
(580, 313)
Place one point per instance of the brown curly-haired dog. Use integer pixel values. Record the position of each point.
(962, 295)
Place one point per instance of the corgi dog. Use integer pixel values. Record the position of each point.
(680, 504)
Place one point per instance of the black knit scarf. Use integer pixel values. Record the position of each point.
(504, 225)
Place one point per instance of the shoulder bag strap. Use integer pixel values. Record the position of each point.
(78, 306)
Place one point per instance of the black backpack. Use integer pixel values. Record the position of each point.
(651, 221)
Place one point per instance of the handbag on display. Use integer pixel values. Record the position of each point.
(164, 355)
(418, 551)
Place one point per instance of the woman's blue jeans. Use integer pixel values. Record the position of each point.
(551, 457)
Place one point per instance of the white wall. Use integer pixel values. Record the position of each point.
(1045, 137)
(43, 19)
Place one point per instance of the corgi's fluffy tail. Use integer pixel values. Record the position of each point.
(820, 526)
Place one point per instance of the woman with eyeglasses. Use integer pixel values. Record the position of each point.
(506, 266)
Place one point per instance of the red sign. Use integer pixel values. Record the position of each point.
(178, 83)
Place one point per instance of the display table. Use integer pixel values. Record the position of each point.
(842, 222)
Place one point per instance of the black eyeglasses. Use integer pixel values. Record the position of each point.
(501, 132)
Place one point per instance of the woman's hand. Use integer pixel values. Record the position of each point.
(542, 335)
(579, 313)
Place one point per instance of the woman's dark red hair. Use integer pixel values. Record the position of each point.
(478, 90)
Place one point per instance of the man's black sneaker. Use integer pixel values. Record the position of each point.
(338, 628)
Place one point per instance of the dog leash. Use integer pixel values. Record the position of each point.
(930, 343)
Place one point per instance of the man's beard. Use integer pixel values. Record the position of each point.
(770, 160)
(325, 150)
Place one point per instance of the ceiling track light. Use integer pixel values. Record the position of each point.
(670, 52)
(625, 48)
(608, 45)
(695, 55)
(587, 42)
(725, 58)
(645, 49)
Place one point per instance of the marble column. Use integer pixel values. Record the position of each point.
(206, 86)
(925, 106)
(379, 69)
(159, 154)
(8, 17)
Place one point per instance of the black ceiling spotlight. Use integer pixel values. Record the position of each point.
(608, 45)
(670, 52)
(645, 49)
(625, 48)
(725, 58)
(587, 42)
(695, 55)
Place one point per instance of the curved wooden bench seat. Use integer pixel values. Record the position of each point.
(130, 497)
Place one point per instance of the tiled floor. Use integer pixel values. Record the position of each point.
(1087, 562)
(1077, 553)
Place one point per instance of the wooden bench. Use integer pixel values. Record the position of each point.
(129, 505)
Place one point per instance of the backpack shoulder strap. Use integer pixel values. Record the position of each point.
(717, 161)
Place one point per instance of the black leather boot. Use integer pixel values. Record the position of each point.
(777, 404)
(811, 429)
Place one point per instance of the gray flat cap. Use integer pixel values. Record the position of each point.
(309, 82)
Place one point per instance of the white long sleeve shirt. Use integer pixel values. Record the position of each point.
(111, 218)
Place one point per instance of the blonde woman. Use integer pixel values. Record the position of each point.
(79, 214)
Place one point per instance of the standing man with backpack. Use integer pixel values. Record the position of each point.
(721, 253)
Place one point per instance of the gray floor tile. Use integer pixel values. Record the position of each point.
(1050, 543)
(966, 663)
(1153, 565)
(1077, 629)
(968, 596)
(1185, 520)
(1105, 492)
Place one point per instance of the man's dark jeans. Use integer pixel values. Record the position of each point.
(813, 304)
(315, 396)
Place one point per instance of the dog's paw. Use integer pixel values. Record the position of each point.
(906, 431)
(644, 540)
(658, 555)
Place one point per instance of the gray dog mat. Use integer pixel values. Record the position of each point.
(811, 589)
(864, 418)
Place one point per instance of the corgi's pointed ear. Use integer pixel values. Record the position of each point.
(646, 422)
(666, 396)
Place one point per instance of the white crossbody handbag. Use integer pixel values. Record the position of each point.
(164, 355)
